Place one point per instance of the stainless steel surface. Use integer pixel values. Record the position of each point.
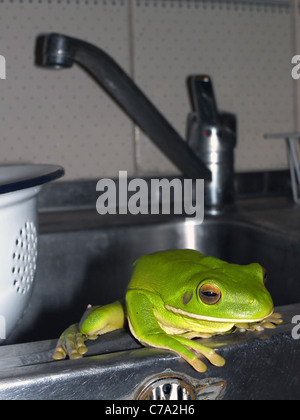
(85, 259)
(212, 135)
(79, 195)
(60, 51)
(261, 365)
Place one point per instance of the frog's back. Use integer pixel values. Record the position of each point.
(156, 272)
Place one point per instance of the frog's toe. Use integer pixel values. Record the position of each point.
(198, 365)
(268, 325)
(216, 360)
(59, 354)
(276, 318)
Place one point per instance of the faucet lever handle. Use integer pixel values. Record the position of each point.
(203, 99)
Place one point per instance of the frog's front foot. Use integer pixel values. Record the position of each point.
(270, 322)
(71, 344)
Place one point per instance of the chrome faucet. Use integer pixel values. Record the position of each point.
(212, 135)
(60, 51)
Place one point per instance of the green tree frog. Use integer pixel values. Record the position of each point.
(177, 295)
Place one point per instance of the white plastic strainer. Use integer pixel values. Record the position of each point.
(19, 187)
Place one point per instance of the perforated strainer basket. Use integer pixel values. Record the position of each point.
(19, 187)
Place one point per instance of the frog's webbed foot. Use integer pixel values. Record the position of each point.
(95, 321)
(186, 348)
(270, 322)
(71, 344)
(209, 353)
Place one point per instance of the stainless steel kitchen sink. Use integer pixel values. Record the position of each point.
(93, 266)
(84, 260)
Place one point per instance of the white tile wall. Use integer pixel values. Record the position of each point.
(64, 117)
(247, 51)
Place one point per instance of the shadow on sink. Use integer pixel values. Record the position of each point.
(94, 266)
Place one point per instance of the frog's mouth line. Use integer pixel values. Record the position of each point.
(211, 318)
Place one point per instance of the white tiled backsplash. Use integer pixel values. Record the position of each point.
(63, 117)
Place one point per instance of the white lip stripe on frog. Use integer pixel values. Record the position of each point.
(211, 318)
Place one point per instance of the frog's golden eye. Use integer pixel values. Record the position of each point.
(209, 294)
(265, 276)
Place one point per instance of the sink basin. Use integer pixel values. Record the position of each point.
(93, 266)
(86, 261)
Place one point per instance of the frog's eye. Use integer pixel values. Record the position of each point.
(265, 276)
(209, 294)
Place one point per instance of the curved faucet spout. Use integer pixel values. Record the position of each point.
(60, 51)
